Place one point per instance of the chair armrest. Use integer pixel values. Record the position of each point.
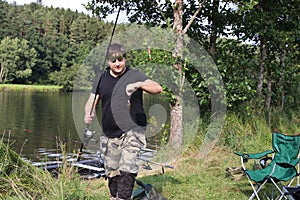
(246, 156)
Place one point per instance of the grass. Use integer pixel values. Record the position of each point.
(199, 179)
(20, 180)
(191, 178)
(29, 88)
(194, 178)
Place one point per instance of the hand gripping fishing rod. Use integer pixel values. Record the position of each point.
(87, 134)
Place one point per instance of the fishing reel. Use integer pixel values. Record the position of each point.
(88, 135)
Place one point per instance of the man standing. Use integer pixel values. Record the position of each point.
(120, 90)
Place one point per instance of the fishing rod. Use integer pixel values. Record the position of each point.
(88, 134)
(157, 163)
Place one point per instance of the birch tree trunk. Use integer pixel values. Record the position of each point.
(176, 124)
(1, 72)
(262, 68)
(176, 127)
(269, 95)
(282, 76)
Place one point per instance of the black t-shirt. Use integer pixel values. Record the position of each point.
(117, 116)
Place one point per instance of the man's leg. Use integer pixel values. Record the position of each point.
(112, 155)
(128, 167)
(126, 184)
(113, 186)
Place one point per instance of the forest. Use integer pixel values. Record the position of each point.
(255, 45)
(37, 41)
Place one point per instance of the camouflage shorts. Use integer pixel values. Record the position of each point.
(121, 154)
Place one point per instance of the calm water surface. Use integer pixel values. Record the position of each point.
(35, 123)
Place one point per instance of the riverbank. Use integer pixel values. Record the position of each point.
(191, 178)
(30, 88)
(204, 178)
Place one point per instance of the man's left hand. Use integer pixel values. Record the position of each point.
(132, 87)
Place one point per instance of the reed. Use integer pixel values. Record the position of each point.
(30, 88)
(20, 180)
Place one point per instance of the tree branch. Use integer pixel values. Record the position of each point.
(193, 18)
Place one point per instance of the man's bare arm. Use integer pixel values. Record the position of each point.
(148, 86)
(90, 108)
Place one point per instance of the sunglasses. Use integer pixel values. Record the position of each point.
(113, 59)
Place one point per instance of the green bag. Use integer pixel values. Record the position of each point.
(146, 192)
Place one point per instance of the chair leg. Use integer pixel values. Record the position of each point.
(256, 190)
(281, 192)
(272, 192)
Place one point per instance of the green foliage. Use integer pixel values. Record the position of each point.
(142, 12)
(59, 39)
(237, 63)
(238, 60)
(142, 60)
(160, 138)
(273, 26)
(51, 37)
(17, 60)
(65, 77)
(29, 88)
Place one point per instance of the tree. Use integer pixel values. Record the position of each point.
(271, 25)
(17, 60)
(4, 20)
(65, 77)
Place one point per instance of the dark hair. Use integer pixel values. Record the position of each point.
(116, 49)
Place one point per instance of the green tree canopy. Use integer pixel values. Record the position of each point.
(17, 60)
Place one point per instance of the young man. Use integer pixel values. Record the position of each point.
(120, 90)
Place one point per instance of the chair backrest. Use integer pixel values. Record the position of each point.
(286, 147)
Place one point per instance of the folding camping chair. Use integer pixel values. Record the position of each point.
(281, 169)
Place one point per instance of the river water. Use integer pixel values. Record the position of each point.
(41, 123)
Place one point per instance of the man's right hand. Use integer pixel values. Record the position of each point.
(88, 118)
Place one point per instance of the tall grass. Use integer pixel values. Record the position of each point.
(245, 134)
(192, 178)
(254, 133)
(20, 180)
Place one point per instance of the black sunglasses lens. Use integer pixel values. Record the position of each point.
(119, 58)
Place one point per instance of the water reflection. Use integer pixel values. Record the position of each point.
(39, 124)
(36, 120)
